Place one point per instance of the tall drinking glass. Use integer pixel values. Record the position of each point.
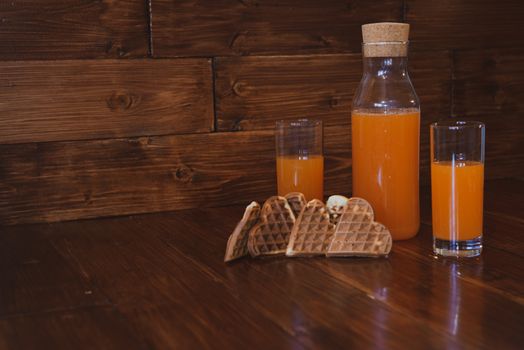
(300, 161)
(457, 187)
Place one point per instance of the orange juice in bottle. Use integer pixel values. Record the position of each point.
(385, 122)
(386, 169)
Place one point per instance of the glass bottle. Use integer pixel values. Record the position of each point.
(385, 120)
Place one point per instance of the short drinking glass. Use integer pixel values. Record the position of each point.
(299, 157)
(457, 187)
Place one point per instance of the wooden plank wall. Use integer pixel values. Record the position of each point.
(116, 107)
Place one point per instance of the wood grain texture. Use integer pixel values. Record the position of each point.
(254, 92)
(93, 99)
(168, 305)
(145, 244)
(168, 287)
(54, 282)
(86, 138)
(440, 280)
(511, 189)
(233, 27)
(489, 86)
(495, 270)
(70, 180)
(54, 29)
(293, 291)
(89, 328)
(463, 24)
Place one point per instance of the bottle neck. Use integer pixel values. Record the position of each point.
(386, 67)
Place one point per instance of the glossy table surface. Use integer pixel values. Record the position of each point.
(159, 281)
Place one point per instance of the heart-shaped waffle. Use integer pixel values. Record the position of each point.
(271, 235)
(313, 231)
(335, 205)
(237, 242)
(296, 201)
(357, 234)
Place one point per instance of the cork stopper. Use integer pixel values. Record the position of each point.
(386, 39)
(385, 32)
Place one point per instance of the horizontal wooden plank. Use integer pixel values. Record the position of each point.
(70, 180)
(449, 24)
(55, 29)
(253, 92)
(72, 100)
(489, 86)
(229, 27)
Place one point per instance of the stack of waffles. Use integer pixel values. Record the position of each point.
(292, 226)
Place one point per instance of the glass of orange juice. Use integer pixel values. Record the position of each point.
(457, 187)
(300, 160)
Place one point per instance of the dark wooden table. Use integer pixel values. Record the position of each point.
(159, 281)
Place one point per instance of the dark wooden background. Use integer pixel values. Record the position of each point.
(113, 107)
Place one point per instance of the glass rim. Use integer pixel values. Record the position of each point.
(299, 123)
(457, 124)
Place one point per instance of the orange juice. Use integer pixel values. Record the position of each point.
(457, 199)
(386, 167)
(301, 174)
